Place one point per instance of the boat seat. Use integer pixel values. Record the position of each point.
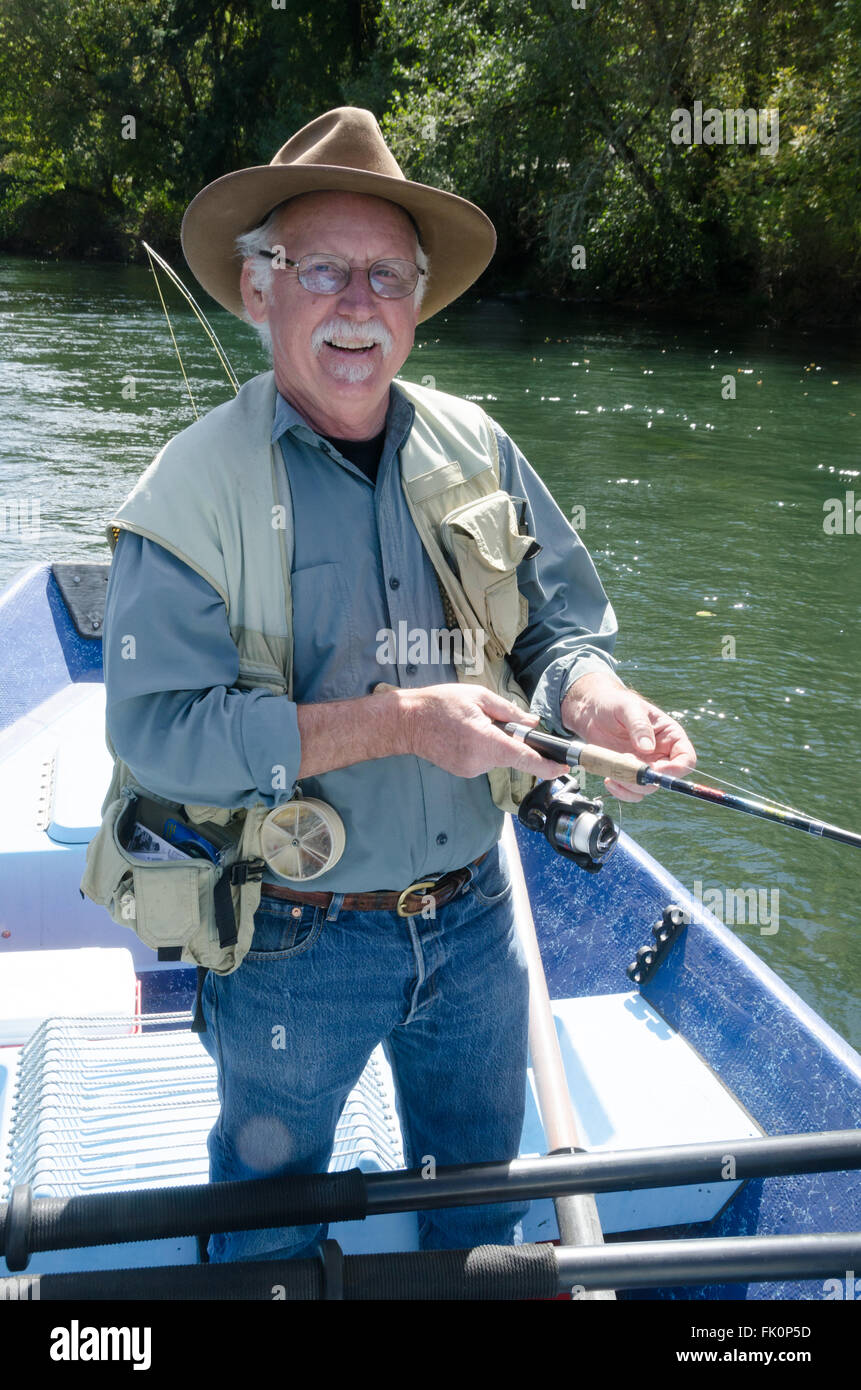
(636, 1083)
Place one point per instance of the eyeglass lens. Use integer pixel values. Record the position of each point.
(391, 279)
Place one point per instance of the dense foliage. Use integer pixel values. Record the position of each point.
(555, 115)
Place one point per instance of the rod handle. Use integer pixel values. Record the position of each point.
(604, 762)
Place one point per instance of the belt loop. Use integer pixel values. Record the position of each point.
(472, 870)
(334, 907)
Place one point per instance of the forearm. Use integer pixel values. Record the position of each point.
(453, 726)
(340, 733)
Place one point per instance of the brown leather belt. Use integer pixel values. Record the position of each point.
(409, 903)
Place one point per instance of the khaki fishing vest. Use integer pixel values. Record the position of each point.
(212, 498)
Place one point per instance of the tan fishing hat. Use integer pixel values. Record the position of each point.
(341, 151)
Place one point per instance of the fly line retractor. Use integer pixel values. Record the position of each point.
(302, 838)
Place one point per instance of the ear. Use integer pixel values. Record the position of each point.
(253, 299)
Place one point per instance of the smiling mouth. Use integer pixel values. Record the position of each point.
(356, 349)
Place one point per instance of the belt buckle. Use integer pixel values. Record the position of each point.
(413, 888)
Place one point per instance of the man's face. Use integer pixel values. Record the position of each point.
(335, 355)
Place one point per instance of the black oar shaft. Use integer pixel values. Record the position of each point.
(627, 1170)
(31, 1225)
(487, 1272)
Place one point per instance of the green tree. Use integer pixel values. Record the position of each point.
(557, 120)
(209, 87)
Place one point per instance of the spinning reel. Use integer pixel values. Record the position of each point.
(572, 824)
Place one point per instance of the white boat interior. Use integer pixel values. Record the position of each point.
(92, 1102)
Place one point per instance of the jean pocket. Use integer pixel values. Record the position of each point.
(492, 882)
(280, 934)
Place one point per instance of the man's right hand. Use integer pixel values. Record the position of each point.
(452, 726)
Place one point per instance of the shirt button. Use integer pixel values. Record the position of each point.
(442, 839)
(411, 670)
(394, 583)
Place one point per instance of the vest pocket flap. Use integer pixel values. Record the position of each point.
(167, 903)
(484, 542)
(485, 532)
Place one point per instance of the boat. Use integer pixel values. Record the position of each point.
(717, 1113)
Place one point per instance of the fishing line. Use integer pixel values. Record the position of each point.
(626, 767)
(173, 336)
(748, 791)
(199, 314)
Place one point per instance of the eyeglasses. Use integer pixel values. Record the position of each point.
(323, 274)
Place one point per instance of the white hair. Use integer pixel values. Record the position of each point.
(250, 244)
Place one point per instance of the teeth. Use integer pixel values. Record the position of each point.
(351, 347)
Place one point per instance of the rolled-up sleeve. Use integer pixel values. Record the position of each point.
(170, 667)
(572, 628)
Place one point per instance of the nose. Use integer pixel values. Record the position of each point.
(357, 297)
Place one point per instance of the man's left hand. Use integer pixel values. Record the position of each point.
(599, 710)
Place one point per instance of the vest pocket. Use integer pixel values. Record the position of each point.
(483, 541)
(109, 877)
(507, 610)
(166, 904)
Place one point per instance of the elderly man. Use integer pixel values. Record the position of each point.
(252, 687)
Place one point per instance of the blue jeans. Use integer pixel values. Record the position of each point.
(292, 1029)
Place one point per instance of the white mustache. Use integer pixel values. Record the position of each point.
(346, 333)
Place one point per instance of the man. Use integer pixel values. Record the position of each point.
(407, 937)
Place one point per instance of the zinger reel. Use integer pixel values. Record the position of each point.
(573, 824)
(302, 838)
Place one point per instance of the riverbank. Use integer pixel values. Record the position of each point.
(830, 308)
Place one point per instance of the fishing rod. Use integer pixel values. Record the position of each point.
(155, 258)
(576, 826)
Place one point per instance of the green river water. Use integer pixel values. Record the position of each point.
(738, 611)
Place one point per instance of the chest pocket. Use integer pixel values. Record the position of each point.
(324, 636)
(484, 542)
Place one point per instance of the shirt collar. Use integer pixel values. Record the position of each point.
(399, 420)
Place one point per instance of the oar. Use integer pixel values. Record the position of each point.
(605, 762)
(577, 1216)
(484, 1273)
(31, 1225)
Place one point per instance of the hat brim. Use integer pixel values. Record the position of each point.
(458, 238)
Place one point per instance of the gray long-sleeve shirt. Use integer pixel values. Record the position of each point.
(359, 572)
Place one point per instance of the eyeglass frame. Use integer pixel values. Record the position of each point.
(383, 260)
